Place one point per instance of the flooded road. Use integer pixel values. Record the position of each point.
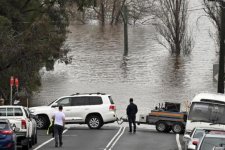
(149, 74)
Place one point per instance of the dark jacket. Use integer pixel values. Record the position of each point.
(132, 109)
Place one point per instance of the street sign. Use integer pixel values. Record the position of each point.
(17, 82)
(11, 81)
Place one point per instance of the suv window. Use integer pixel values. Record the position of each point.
(79, 101)
(95, 100)
(111, 100)
(64, 101)
(87, 100)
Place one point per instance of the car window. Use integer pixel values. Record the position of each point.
(64, 102)
(95, 100)
(2, 111)
(18, 112)
(10, 112)
(27, 114)
(79, 101)
(4, 126)
(198, 133)
(209, 142)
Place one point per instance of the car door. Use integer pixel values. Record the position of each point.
(80, 107)
(67, 108)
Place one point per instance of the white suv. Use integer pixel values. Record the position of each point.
(93, 109)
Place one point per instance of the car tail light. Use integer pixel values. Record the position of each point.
(195, 142)
(23, 124)
(112, 107)
(6, 132)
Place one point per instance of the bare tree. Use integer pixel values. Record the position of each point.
(213, 11)
(171, 24)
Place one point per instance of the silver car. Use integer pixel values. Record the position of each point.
(195, 135)
(213, 140)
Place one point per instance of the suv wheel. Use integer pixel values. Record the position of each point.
(94, 122)
(42, 122)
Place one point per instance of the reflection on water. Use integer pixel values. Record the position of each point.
(149, 73)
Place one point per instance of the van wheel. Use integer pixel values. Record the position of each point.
(161, 126)
(42, 122)
(94, 122)
(178, 128)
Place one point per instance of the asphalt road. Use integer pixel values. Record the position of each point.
(78, 137)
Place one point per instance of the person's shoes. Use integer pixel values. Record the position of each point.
(60, 145)
(56, 145)
(130, 131)
(134, 131)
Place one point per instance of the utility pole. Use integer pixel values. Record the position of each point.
(221, 56)
(125, 20)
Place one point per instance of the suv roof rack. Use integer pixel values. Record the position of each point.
(98, 93)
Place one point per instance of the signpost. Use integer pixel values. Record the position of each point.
(11, 86)
(12, 82)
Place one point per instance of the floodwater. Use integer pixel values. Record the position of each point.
(149, 74)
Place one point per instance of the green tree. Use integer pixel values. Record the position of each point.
(32, 34)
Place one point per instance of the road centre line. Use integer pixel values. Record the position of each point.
(118, 138)
(178, 142)
(113, 138)
(43, 144)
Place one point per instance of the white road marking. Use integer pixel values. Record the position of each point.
(178, 142)
(113, 138)
(118, 138)
(43, 144)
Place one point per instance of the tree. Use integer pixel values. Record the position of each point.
(213, 12)
(172, 25)
(32, 35)
(216, 13)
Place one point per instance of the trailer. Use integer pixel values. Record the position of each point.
(165, 118)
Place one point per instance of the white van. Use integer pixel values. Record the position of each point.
(206, 110)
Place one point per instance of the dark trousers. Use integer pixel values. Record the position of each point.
(132, 120)
(58, 130)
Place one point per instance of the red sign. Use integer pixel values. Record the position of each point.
(16, 82)
(11, 81)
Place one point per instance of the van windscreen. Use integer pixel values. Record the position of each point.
(207, 112)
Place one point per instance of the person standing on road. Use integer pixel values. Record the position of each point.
(131, 114)
(59, 123)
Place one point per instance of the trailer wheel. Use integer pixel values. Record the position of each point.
(178, 128)
(161, 126)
